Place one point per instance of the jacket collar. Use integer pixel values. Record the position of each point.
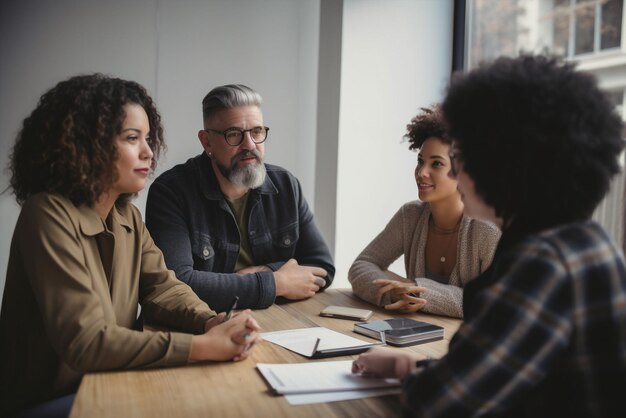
(91, 224)
(209, 185)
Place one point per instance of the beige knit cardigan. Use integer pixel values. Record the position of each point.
(406, 234)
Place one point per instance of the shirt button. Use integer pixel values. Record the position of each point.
(286, 241)
(205, 252)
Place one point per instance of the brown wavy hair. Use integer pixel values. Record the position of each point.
(427, 124)
(67, 144)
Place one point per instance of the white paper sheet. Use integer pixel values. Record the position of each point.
(318, 377)
(302, 340)
(344, 395)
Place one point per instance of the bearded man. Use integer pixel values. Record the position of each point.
(229, 224)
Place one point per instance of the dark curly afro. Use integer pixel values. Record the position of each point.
(540, 140)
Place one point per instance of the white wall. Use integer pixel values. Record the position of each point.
(270, 45)
(396, 58)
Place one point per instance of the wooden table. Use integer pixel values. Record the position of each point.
(237, 389)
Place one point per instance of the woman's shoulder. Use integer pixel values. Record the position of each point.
(482, 235)
(413, 212)
(47, 211)
(47, 198)
(573, 238)
(480, 228)
(415, 207)
(46, 202)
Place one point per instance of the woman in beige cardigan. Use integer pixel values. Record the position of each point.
(82, 259)
(442, 248)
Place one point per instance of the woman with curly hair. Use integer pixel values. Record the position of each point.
(544, 334)
(82, 260)
(443, 250)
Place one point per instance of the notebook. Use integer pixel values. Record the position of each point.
(401, 331)
(318, 342)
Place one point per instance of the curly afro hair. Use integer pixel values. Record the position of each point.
(540, 140)
(428, 124)
(67, 146)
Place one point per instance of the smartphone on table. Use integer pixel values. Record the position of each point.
(343, 312)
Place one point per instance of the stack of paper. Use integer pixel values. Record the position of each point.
(303, 383)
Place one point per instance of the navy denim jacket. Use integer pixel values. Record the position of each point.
(195, 228)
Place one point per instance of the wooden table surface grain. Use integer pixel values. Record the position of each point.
(229, 389)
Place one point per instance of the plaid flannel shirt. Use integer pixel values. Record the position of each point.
(544, 334)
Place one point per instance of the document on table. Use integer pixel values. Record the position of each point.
(344, 395)
(324, 382)
(302, 340)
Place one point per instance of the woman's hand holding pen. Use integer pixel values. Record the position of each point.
(404, 295)
(226, 340)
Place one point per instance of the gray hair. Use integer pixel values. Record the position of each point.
(228, 96)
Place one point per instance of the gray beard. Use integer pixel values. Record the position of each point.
(250, 176)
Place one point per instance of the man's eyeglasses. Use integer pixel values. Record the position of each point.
(234, 136)
(456, 159)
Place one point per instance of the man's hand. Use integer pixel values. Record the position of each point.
(404, 296)
(294, 281)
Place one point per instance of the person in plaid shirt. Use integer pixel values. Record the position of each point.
(544, 334)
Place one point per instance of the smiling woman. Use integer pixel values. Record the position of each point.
(81, 154)
(442, 248)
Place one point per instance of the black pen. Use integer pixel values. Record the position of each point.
(317, 344)
(233, 305)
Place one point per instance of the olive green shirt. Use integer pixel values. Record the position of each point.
(239, 208)
(70, 302)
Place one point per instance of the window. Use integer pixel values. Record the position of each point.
(594, 25)
(570, 28)
(617, 97)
